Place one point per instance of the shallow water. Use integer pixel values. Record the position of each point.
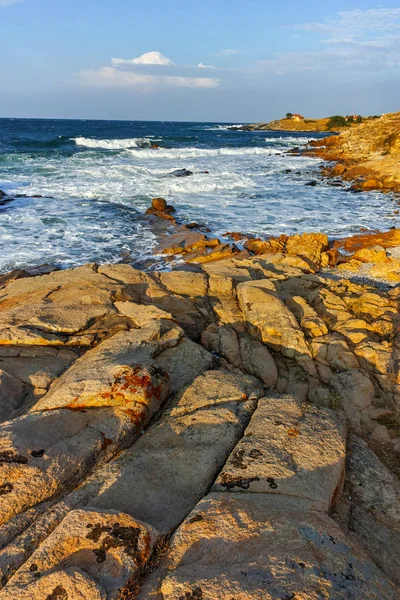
(101, 174)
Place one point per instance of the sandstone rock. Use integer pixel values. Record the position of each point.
(375, 507)
(71, 583)
(118, 372)
(269, 320)
(172, 465)
(108, 547)
(310, 322)
(356, 393)
(289, 450)
(258, 547)
(185, 283)
(11, 394)
(141, 314)
(332, 351)
(309, 247)
(257, 361)
(184, 363)
(45, 454)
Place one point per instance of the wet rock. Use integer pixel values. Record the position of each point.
(312, 183)
(181, 173)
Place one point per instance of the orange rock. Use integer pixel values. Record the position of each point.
(387, 239)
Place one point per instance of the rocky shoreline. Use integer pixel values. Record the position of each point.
(367, 155)
(225, 429)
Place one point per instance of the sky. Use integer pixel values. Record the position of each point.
(215, 60)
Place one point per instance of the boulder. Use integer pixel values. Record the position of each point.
(291, 451)
(119, 372)
(262, 547)
(99, 550)
(269, 320)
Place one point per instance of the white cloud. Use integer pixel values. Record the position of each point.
(111, 77)
(4, 3)
(149, 58)
(227, 52)
(203, 66)
(356, 23)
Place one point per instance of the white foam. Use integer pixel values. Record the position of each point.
(112, 144)
(183, 153)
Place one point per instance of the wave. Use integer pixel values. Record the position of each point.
(199, 152)
(301, 139)
(124, 144)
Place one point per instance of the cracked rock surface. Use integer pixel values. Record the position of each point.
(230, 431)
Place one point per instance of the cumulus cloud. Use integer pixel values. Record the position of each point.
(203, 66)
(112, 77)
(148, 58)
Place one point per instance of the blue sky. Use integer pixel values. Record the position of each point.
(216, 60)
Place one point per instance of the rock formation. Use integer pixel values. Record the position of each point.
(226, 429)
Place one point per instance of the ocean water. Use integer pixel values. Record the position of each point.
(96, 177)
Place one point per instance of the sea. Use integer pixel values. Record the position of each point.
(83, 184)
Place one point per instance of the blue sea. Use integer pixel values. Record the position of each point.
(96, 177)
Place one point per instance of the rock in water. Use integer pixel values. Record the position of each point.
(181, 173)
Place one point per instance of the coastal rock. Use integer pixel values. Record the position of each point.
(44, 454)
(99, 549)
(375, 507)
(12, 394)
(181, 173)
(119, 372)
(289, 450)
(270, 321)
(256, 546)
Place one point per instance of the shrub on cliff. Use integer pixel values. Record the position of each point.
(337, 121)
(289, 115)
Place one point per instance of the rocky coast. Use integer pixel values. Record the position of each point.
(367, 155)
(225, 429)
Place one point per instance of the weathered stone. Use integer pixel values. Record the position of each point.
(45, 454)
(310, 322)
(184, 363)
(108, 546)
(271, 321)
(332, 351)
(259, 547)
(356, 393)
(141, 314)
(172, 465)
(375, 507)
(118, 372)
(67, 584)
(289, 450)
(12, 394)
(257, 361)
(185, 283)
